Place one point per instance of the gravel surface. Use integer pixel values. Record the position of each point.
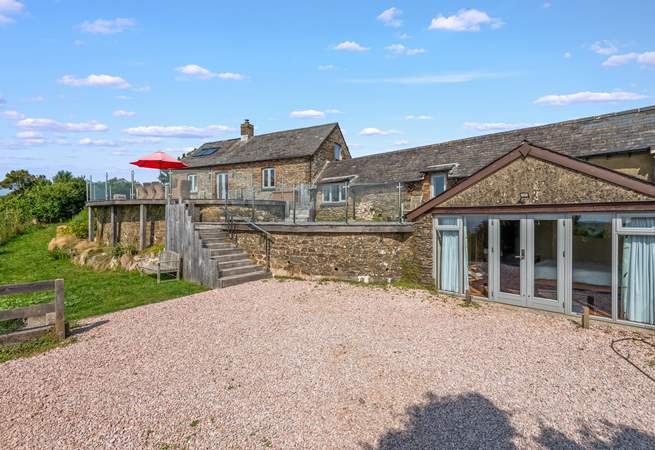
(293, 364)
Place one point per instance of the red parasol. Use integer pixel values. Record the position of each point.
(159, 160)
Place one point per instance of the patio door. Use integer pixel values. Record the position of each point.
(528, 260)
(221, 186)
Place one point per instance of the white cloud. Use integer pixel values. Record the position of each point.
(496, 126)
(180, 131)
(12, 115)
(53, 125)
(376, 132)
(350, 46)
(400, 143)
(418, 117)
(197, 71)
(404, 36)
(107, 26)
(465, 20)
(98, 142)
(307, 114)
(400, 49)
(604, 47)
(8, 8)
(325, 67)
(333, 111)
(95, 80)
(588, 97)
(122, 113)
(568, 55)
(645, 59)
(446, 78)
(29, 135)
(390, 17)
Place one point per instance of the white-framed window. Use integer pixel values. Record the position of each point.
(437, 184)
(193, 183)
(449, 254)
(337, 152)
(268, 178)
(636, 268)
(334, 193)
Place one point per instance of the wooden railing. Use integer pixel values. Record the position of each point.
(56, 307)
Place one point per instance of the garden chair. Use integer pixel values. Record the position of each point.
(166, 262)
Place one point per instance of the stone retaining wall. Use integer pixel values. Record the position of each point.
(379, 256)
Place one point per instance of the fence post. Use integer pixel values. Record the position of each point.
(60, 326)
(347, 196)
(253, 204)
(132, 186)
(106, 186)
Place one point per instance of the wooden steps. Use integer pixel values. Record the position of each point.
(234, 265)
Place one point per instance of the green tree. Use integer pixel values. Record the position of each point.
(63, 176)
(19, 180)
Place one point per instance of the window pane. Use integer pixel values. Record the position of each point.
(447, 220)
(438, 184)
(271, 177)
(545, 259)
(449, 266)
(592, 264)
(639, 222)
(335, 192)
(510, 256)
(477, 258)
(637, 279)
(337, 152)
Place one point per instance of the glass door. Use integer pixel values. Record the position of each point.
(509, 252)
(545, 263)
(221, 186)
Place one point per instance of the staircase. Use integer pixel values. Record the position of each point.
(234, 265)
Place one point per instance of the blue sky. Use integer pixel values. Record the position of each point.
(88, 86)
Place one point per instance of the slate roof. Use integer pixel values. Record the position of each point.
(286, 144)
(631, 130)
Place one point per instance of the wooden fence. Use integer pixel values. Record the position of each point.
(57, 307)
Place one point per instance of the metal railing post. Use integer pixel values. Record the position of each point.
(400, 202)
(347, 197)
(132, 185)
(93, 189)
(294, 202)
(253, 203)
(106, 186)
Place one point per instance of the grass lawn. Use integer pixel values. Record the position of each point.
(88, 293)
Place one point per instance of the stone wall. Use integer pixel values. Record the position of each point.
(423, 248)
(127, 224)
(545, 183)
(265, 211)
(638, 164)
(379, 256)
(325, 153)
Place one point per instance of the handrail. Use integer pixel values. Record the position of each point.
(268, 244)
(231, 225)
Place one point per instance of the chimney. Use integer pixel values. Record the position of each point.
(247, 131)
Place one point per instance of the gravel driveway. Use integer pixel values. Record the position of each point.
(290, 364)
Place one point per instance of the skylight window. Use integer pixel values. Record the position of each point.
(206, 151)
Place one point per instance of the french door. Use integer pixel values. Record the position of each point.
(221, 186)
(528, 261)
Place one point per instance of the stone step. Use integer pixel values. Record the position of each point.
(212, 234)
(226, 252)
(217, 245)
(213, 241)
(228, 272)
(221, 259)
(208, 226)
(243, 278)
(234, 263)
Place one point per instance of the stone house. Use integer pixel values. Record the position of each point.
(258, 164)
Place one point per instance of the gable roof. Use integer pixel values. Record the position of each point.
(527, 149)
(300, 142)
(632, 130)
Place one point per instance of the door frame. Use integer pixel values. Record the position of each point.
(526, 297)
(218, 176)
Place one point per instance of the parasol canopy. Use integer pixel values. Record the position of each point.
(159, 160)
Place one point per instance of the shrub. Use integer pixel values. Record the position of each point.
(79, 224)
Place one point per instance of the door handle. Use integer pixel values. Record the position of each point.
(521, 256)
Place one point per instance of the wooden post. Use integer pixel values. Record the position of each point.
(92, 223)
(585, 317)
(142, 226)
(112, 225)
(60, 327)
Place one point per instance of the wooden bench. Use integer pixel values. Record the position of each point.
(166, 262)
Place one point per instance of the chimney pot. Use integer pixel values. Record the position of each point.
(247, 130)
